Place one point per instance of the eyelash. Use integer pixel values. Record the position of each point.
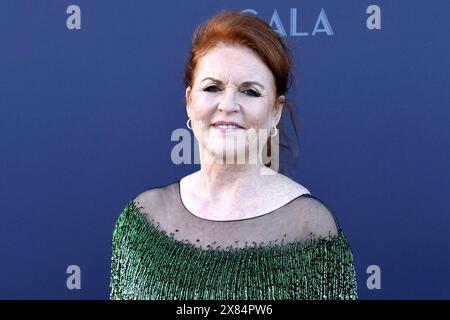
(253, 93)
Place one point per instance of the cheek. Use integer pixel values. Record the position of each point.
(258, 115)
(201, 106)
(255, 113)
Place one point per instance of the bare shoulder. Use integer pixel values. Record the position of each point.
(316, 218)
(289, 185)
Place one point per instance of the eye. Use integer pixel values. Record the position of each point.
(211, 89)
(251, 92)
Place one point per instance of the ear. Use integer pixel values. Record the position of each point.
(278, 109)
(188, 99)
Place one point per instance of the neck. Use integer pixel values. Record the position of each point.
(236, 181)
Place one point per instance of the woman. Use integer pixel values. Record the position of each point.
(232, 230)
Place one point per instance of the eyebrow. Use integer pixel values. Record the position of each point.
(246, 83)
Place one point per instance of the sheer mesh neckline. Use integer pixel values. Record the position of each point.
(152, 228)
(178, 187)
(292, 222)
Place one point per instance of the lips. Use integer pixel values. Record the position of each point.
(219, 124)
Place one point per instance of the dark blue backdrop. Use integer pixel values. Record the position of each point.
(86, 117)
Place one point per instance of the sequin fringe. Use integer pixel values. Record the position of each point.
(148, 264)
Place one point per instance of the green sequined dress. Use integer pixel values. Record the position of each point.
(160, 250)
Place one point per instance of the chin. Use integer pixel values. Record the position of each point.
(231, 152)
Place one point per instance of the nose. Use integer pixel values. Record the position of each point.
(228, 101)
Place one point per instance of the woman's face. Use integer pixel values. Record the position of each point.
(232, 85)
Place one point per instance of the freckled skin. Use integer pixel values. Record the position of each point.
(229, 101)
